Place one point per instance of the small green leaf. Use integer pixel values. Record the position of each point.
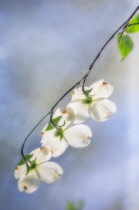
(28, 157)
(70, 206)
(75, 206)
(133, 25)
(50, 126)
(125, 45)
(57, 119)
(88, 91)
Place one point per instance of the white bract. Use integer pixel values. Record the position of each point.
(57, 139)
(95, 104)
(39, 170)
(67, 117)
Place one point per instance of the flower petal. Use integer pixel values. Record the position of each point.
(53, 143)
(67, 116)
(77, 93)
(96, 86)
(29, 183)
(41, 154)
(81, 110)
(78, 135)
(101, 89)
(19, 170)
(102, 109)
(50, 172)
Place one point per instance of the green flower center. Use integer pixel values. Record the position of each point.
(33, 165)
(88, 100)
(59, 133)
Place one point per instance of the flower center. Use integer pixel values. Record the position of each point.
(33, 165)
(88, 100)
(59, 133)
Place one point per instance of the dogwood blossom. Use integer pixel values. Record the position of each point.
(94, 103)
(39, 170)
(61, 132)
(57, 139)
(64, 118)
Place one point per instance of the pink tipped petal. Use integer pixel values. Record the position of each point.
(81, 110)
(29, 183)
(50, 172)
(77, 94)
(78, 135)
(102, 109)
(67, 116)
(104, 91)
(19, 170)
(101, 89)
(96, 87)
(49, 135)
(41, 154)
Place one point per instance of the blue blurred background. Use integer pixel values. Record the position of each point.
(45, 47)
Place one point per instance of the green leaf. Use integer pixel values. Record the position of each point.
(50, 126)
(88, 91)
(28, 157)
(75, 206)
(57, 119)
(70, 206)
(125, 45)
(135, 27)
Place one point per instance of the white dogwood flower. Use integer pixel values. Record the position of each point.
(62, 117)
(94, 104)
(39, 170)
(57, 139)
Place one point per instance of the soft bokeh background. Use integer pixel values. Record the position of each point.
(45, 47)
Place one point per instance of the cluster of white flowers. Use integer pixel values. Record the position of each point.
(65, 131)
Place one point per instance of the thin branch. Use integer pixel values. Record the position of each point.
(125, 24)
(22, 148)
(83, 79)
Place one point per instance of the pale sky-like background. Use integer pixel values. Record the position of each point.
(45, 47)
